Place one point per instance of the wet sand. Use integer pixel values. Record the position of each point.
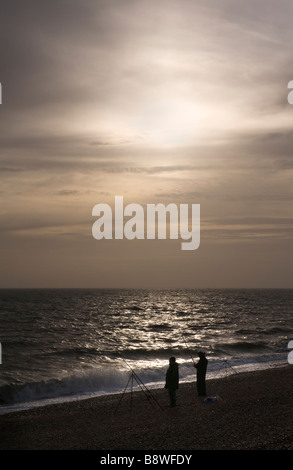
(254, 411)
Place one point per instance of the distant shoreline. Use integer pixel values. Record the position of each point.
(253, 410)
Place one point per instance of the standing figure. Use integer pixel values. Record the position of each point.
(201, 367)
(172, 380)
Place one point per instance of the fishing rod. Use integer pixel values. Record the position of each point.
(187, 347)
(226, 361)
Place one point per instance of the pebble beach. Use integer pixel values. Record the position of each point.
(250, 411)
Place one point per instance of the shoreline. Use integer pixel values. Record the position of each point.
(253, 411)
(212, 375)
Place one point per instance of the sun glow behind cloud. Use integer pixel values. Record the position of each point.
(169, 122)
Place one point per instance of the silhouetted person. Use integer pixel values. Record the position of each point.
(172, 380)
(201, 367)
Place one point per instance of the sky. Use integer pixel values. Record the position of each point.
(181, 102)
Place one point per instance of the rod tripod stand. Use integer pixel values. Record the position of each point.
(229, 366)
(134, 377)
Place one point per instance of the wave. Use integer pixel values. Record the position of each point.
(263, 331)
(74, 351)
(85, 381)
(159, 327)
(276, 329)
(244, 345)
(105, 356)
(134, 308)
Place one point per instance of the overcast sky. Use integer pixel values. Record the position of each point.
(156, 101)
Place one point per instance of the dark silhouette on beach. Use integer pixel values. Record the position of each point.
(172, 380)
(201, 367)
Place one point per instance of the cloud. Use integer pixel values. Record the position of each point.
(77, 78)
(68, 192)
(147, 170)
(6, 169)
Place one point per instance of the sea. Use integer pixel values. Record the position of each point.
(61, 345)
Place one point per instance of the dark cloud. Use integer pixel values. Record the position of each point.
(147, 170)
(68, 192)
(6, 169)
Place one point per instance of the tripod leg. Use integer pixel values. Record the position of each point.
(147, 392)
(123, 394)
(131, 396)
